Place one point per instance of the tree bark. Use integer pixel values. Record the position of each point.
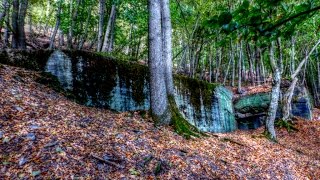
(109, 29)
(21, 23)
(276, 81)
(53, 37)
(3, 14)
(73, 17)
(14, 24)
(7, 29)
(240, 67)
(159, 101)
(287, 98)
(167, 45)
(102, 7)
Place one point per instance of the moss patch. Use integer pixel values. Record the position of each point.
(52, 82)
(33, 60)
(181, 125)
(197, 89)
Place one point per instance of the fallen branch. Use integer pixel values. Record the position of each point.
(106, 161)
(51, 144)
(233, 141)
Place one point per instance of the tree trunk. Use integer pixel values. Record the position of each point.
(21, 23)
(7, 30)
(112, 34)
(276, 81)
(73, 17)
(109, 29)
(30, 23)
(286, 101)
(14, 24)
(167, 45)
(159, 102)
(53, 37)
(233, 64)
(3, 14)
(218, 62)
(102, 7)
(240, 67)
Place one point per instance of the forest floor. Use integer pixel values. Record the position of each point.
(43, 135)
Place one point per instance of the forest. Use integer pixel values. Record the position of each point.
(159, 89)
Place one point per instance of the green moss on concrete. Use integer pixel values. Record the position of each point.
(197, 89)
(29, 59)
(255, 103)
(52, 82)
(181, 125)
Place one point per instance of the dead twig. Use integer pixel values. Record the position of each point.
(233, 141)
(106, 161)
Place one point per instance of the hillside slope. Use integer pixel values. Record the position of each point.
(45, 135)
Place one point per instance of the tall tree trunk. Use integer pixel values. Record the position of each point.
(14, 24)
(112, 34)
(218, 62)
(73, 17)
(30, 23)
(276, 81)
(7, 29)
(287, 98)
(3, 14)
(167, 45)
(108, 30)
(102, 7)
(233, 64)
(61, 38)
(159, 101)
(210, 63)
(45, 30)
(53, 37)
(240, 67)
(21, 23)
(70, 33)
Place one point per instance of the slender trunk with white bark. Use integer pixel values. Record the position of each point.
(275, 92)
(108, 29)
(102, 7)
(287, 98)
(53, 37)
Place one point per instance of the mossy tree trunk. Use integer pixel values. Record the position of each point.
(163, 106)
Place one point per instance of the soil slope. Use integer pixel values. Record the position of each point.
(43, 135)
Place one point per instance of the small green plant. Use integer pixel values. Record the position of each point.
(288, 125)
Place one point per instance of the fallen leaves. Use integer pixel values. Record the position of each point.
(44, 135)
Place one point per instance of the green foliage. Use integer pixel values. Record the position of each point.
(288, 125)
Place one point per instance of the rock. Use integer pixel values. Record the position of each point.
(206, 106)
(34, 126)
(31, 137)
(22, 161)
(18, 108)
(251, 110)
(252, 104)
(301, 103)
